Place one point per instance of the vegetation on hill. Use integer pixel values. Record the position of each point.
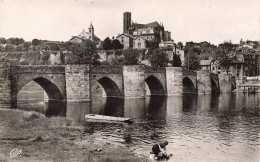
(158, 58)
(84, 53)
(109, 44)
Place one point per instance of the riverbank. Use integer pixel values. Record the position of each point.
(54, 139)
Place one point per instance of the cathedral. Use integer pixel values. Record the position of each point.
(85, 36)
(139, 34)
(149, 31)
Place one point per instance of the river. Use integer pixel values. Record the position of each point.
(198, 127)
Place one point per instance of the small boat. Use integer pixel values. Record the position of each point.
(97, 117)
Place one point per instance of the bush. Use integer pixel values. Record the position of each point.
(118, 61)
(131, 56)
(158, 58)
(192, 62)
(105, 63)
(45, 57)
(31, 115)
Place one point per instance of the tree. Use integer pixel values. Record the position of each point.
(84, 53)
(118, 61)
(180, 45)
(225, 62)
(35, 42)
(15, 41)
(26, 46)
(116, 44)
(192, 62)
(9, 48)
(107, 44)
(176, 62)
(152, 44)
(131, 56)
(158, 58)
(19, 48)
(2, 41)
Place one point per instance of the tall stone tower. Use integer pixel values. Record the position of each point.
(127, 22)
(91, 31)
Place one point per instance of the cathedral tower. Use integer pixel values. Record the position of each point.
(127, 22)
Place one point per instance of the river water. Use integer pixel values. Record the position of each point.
(199, 128)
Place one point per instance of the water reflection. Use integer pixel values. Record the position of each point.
(55, 108)
(223, 127)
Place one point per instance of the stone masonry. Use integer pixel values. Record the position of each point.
(225, 83)
(72, 83)
(204, 82)
(77, 83)
(134, 85)
(174, 81)
(5, 84)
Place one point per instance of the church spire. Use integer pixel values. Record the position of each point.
(90, 27)
(91, 31)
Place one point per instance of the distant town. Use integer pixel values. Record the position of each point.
(141, 44)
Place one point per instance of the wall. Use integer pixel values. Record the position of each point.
(181, 54)
(77, 83)
(55, 58)
(174, 81)
(141, 41)
(5, 87)
(225, 83)
(203, 82)
(134, 84)
(126, 41)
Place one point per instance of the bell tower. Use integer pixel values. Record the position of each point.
(127, 22)
(91, 31)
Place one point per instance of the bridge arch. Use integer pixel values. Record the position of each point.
(110, 87)
(214, 86)
(52, 90)
(155, 86)
(188, 85)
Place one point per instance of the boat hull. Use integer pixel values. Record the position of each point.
(104, 118)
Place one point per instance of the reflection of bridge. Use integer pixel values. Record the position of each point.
(74, 82)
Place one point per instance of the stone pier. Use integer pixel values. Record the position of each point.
(204, 82)
(5, 85)
(174, 81)
(77, 83)
(225, 83)
(134, 84)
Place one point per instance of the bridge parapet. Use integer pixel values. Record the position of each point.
(45, 69)
(189, 73)
(106, 69)
(155, 70)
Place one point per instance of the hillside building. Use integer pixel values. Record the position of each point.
(84, 35)
(149, 32)
(126, 40)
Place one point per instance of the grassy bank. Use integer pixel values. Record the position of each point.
(53, 139)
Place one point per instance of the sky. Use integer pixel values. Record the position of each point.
(214, 21)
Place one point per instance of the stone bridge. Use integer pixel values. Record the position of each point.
(75, 83)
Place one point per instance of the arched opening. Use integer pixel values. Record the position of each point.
(31, 96)
(214, 87)
(155, 86)
(188, 86)
(52, 91)
(110, 87)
